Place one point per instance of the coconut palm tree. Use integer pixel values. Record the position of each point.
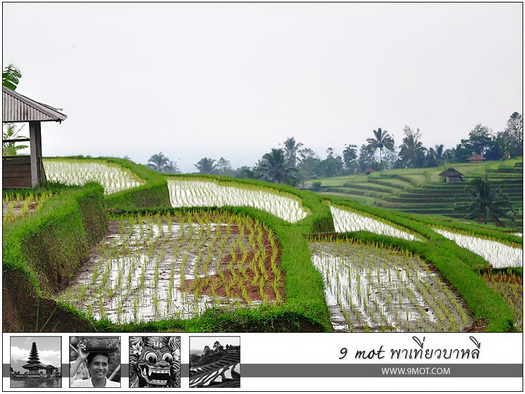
(487, 203)
(171, 168)
(277, 169)
(291, 149)
(437, 156)
(380, 141)
(158, 162)
(207, 166)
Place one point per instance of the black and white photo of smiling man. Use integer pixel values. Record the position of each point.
(95, 362)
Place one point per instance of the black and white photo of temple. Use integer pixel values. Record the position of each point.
(40, 367)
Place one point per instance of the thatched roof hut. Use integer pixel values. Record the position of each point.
(451, 175)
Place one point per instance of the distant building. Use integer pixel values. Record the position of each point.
(451, 175)
(52, 371)
(476, 158)
(305, 186)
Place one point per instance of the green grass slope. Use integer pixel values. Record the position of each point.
(422, 190)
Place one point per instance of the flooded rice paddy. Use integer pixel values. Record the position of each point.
(346, 220)
(159, 267)
(369, 288)
(200, 193)
(112, 177)
(498, 254)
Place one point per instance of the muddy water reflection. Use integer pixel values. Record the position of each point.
(135, 273)
(373, 289)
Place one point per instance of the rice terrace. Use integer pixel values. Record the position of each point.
(110, 245)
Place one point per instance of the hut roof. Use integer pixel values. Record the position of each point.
(369, 170)
(477, 157)
(19, 108)
(451, 172)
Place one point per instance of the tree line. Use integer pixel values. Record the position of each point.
(293, 163)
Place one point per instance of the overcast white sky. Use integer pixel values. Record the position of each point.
(235, 80)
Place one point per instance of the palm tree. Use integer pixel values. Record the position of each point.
(291, 148)
(207, 166)
(158, 162)
(412, 151)
(246, 172)
(171, 168)
(438, 155)
(381, 140)
(276, 168)
(486, 202)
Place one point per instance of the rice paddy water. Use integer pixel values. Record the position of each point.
(112, 177)
(369, 288)
(192, 193)
(159, 267)
(346, 220)
(496, 253)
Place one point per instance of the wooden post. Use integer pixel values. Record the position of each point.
(41, 173)
(35, 136)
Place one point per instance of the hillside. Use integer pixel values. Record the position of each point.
(120, 248)
(423, 191)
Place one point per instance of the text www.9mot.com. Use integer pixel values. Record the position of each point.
(420, 371)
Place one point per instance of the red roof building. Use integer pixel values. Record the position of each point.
(476, 158)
